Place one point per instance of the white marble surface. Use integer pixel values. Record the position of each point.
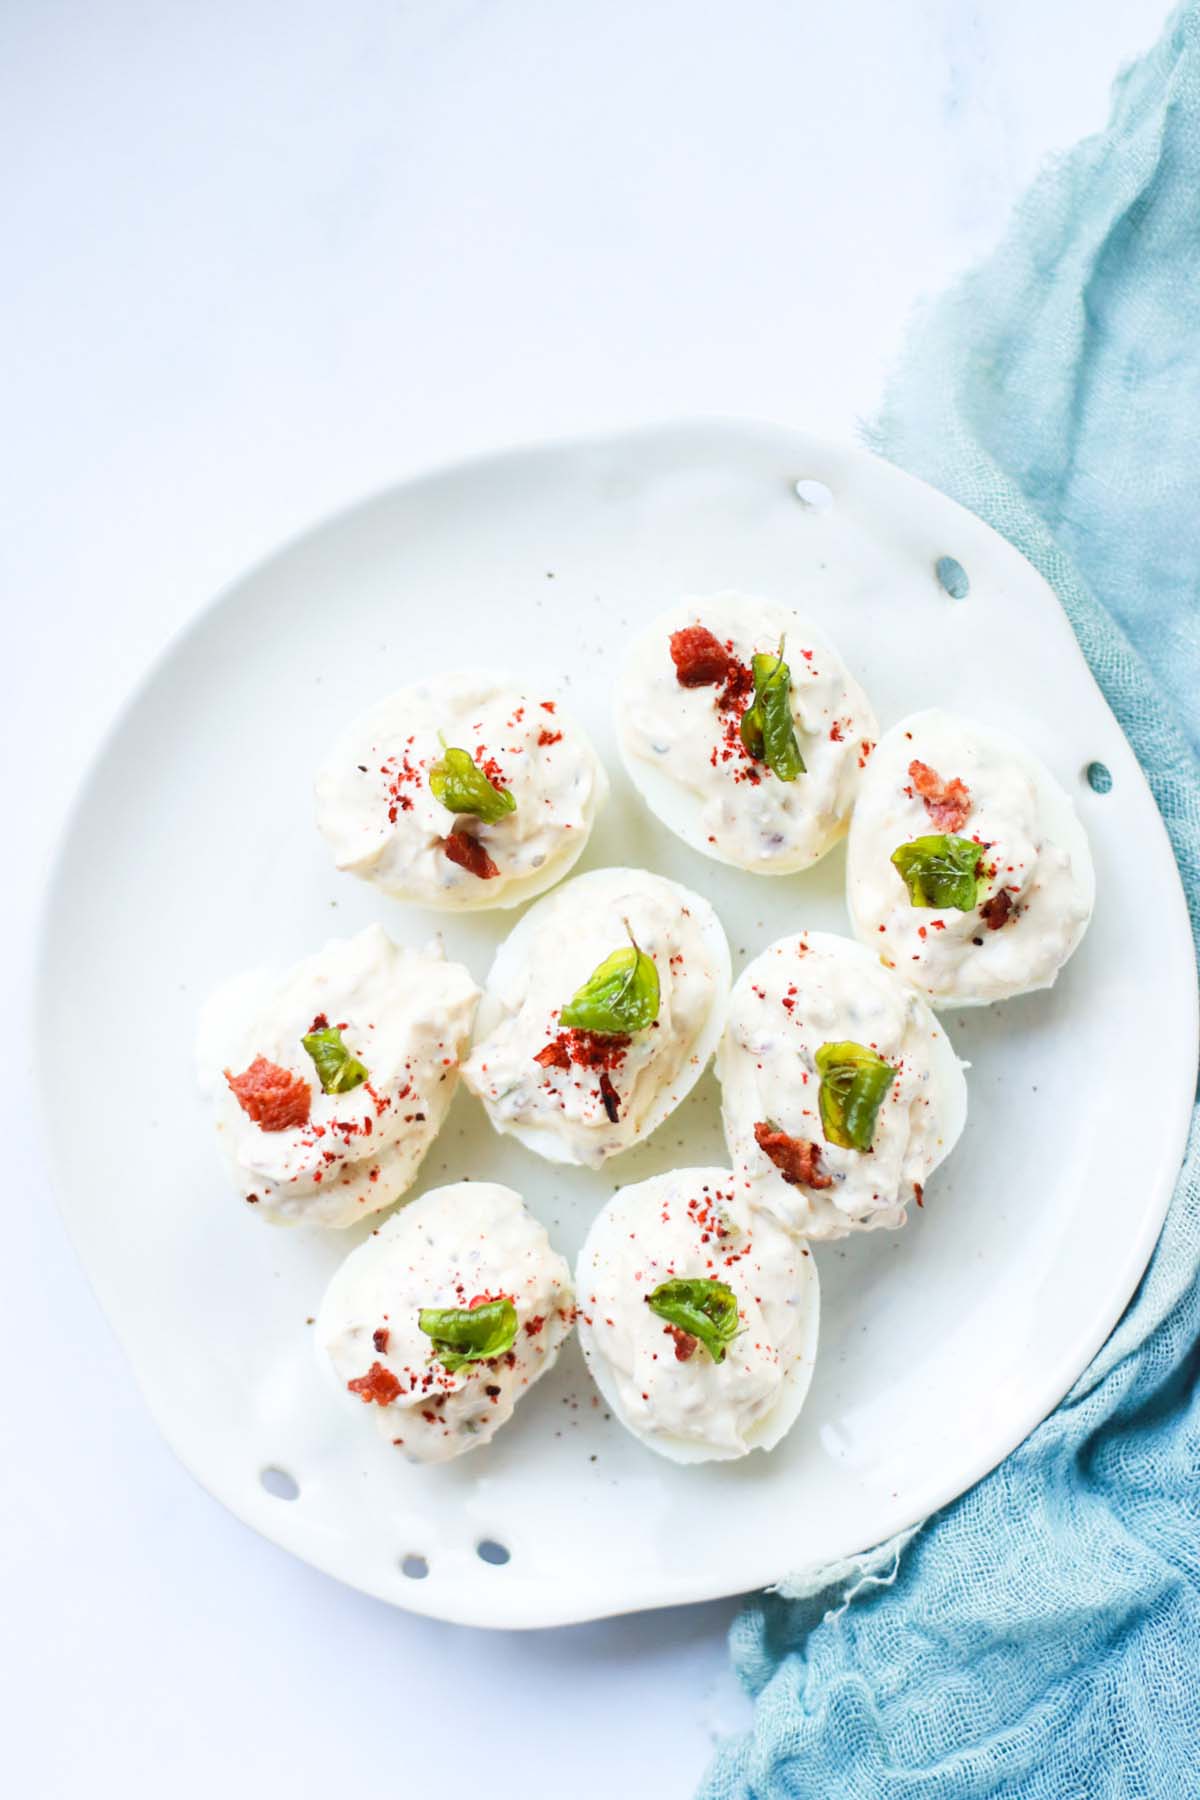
(259, 259)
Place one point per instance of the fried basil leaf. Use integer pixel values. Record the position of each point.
(854, 1085)
(940, 871)
(706, 1310)
(768, 729)
(467, 1334)
(621, 995)
(462, 787)
(337, 1069)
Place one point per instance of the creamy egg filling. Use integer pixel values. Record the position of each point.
(399, 1324)
(979, 825)
(726, 785)
(584, 1087)
(396, 806)
(822, 1044)
(395, 1022)
(680, 1251)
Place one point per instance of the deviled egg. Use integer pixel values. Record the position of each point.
(601, 1010)
(441, 1320)
(968, 872)
(840, 1092)
(744, 732)
(697, 1320)
(329, 1082)
(464, 791)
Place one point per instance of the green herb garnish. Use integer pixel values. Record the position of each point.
(462, 787)
(619, 996)
(940, 871)
(854, 1085)
(338, 1070)
(706, 1310)
(768, 729)
(467, 1334)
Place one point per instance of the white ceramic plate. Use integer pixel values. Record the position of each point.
(192, 853)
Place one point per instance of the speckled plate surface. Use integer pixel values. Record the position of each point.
(191, 853)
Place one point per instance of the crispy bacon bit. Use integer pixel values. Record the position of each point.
(378, 1384)
(546, 738)
(380, 1338)
(918, 1193)
(946, 802)
(797, 1159)
(685, 1343)
(469, 854)
(275, 1099)
(611, 1099)
(586, 1049)
(701, 660)
(320, 1023)
(998, 910)
(534, 1325)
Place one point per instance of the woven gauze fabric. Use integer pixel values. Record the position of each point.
(1039, 1639)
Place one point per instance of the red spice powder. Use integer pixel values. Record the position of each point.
(738, 690)
(398, 772)
(584, 1049)
(491, 768)
(731, 703)
(702, 660)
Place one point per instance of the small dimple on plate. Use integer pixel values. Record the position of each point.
(953, 577)
(814, 494)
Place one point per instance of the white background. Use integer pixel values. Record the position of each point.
(257, 260)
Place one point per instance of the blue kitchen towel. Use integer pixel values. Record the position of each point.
(1039, 1639)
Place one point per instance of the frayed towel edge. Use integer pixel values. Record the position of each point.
(877, 1567)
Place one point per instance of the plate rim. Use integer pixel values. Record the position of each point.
(513, 1604)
